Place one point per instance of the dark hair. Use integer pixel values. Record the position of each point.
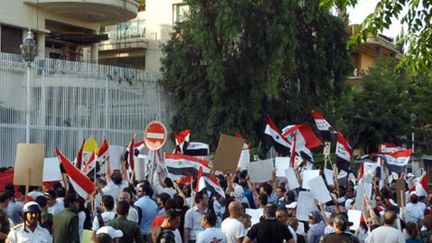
(200, 196)
(267, 188)
(263, 198)
(282, 188)
(122, 208)
(147, 190)
(117, 177)
(51, 193)
(210, 217)
(411, 229)
(341, 222)
(290, 196)
(270, 211)
(108, 202)
(102, 238)
(163, 197)
(3, 197)
(168, 182)
(171, 203)
(179, 201)
(171, 214)
(413, 198)
(61, 192)
(41, 200)
(70, 198)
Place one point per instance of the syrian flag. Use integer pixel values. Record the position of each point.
(78, 159)
(81, 183)
(90, 166)
(273, 137)
(181, 139)
(397, 161)
(209, 183)
(324, 127)
(196, 149)
(305, 135)
(343, 153)
(387, 148)
(102, 154)
(186, 180)
(180, 165)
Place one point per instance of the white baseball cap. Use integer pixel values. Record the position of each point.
(110, 231)
(292, 205)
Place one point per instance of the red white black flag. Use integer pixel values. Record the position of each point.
(273, 137)
(324, 127)
(343, 153)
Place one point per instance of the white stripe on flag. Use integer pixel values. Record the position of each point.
(155, 135)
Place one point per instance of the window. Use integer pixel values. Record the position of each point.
(11, 39)
(180, 12)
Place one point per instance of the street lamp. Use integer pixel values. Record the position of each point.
(28, 52)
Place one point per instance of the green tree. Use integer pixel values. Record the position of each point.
(231, 63)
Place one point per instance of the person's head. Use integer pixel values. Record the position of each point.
(31, 211)
(269, 212)
(314, 217)
(411, 230)
(171, 219)
(4, 200)
(280, 191)
(282, 215)
(108, 203)
(114, 234)
(145, 190)
(235, 209)
(72, 202)
(117, 177)
(291, 209)
(261, 200)
(427, 221)
(60, 191)
(290, 196)
(389, 217)
(246, 220)
(413, 198)
(42, 201)
(124, 197)
(102, 238)
(340, 223)
(202, 199)
(185, 189)
(162, 198)
(122, 208)
(208, 220)
(168, 182)
(51, 197)
(266, 188)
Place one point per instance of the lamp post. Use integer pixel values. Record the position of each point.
(28, 52)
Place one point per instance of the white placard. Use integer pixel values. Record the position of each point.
(327, 146)
(329, 177)
(51, 170)
(282, 164)
(260, 171)
(115, 152)
(319, 189)
(255, 214)
(362, 189)
(292, 178)
(244, 158)
(141, 162)
(307, 175)
(354, 217)
(306, 205)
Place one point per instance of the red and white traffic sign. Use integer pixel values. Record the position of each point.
(155, 135)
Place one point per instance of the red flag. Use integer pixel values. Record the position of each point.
(81, 183)
(200, 175)
(78, 159)
(182, 139)
(306, 135)
(103, 150)
(186, 180)
(90, 165)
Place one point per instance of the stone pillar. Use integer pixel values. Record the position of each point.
(94, 56)
(41, 45)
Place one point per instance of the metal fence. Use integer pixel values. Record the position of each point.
(72, 100)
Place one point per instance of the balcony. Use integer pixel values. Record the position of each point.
(93, 11)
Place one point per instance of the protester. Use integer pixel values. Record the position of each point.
(66, 223)
(114, 234)
(133, 214)
(165, 234)
(341, 234)
(192, 226)
(316, 227)
(414, 210)
(108, 213)
(30, 230)
(149, 209)
(411, 230)
(210, 233)
(232, 227)
(387, 232)
(130, 229)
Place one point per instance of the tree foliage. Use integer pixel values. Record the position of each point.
(231, 63)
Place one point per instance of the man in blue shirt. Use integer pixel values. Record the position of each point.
(148, 207)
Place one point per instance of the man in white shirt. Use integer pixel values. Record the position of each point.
(192, 220)
(133, 212)
(53, 206)
(210, 234)
(414, 210)
(108, 214)
(386, 233)
(231, 226)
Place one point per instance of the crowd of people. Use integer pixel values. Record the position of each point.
(167, 211)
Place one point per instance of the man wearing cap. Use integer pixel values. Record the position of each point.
(340, 224)
(113, 233)
(30, 230)
(66, 223)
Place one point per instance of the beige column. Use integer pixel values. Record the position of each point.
(94, 55)
(41, 45)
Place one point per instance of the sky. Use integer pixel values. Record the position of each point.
(363, 9)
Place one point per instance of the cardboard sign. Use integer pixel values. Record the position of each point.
(51, 170)
(228, 153)
(29, 164)
(281, 165)
(260, 171)
(400, 192)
